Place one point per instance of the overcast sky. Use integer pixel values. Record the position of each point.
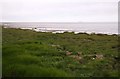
(59, 10)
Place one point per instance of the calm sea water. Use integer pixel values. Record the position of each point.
(106, 28)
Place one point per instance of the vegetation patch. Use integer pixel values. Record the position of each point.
(35, 54)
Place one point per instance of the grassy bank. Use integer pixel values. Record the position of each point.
(35, 54)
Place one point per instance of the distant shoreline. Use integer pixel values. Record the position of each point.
(61, 27)
(59, 31)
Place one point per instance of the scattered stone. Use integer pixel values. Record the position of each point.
(78, 58)
(99, 56)
(68, 53)
(93, 58)
(55, 45)
(79, 53)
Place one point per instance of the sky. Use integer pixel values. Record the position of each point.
(59, 10)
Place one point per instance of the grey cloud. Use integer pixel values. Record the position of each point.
(59, 10)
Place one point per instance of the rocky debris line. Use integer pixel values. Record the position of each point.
(79, 56)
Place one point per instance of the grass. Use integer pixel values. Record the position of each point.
(28, 53)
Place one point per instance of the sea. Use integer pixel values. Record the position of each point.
(77, 27)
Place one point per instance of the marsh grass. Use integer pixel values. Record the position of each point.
(35, 54)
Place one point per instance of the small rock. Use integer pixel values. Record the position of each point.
(99, 56)
(68, 53)
(79, 53)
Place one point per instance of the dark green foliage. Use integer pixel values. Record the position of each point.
(35, 54)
